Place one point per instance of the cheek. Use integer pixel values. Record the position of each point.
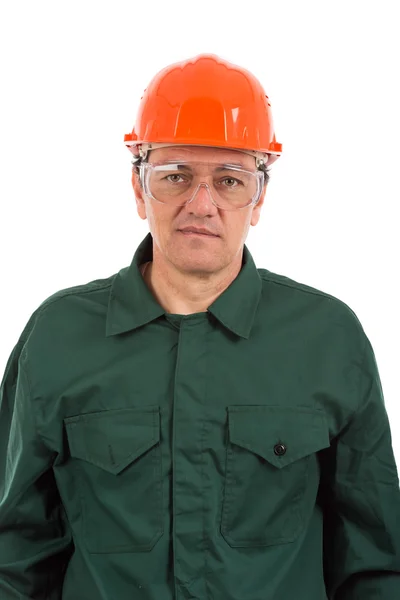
(160, 219)
(238, 225)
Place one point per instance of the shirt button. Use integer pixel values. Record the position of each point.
(280, 449)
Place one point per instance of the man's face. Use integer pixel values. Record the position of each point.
(197, 254)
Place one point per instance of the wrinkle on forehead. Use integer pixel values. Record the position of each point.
(205, 153)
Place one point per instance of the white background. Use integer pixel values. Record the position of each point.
(72, 74)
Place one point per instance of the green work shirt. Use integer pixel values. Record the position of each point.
(241, 453)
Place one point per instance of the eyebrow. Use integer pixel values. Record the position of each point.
(224, 167)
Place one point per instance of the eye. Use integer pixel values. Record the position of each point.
(173, 175)
(232, 179)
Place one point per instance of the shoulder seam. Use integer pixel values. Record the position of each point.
(299, 286)
(74, 290)
(50, 300)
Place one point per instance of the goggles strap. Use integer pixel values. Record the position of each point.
(261, 158)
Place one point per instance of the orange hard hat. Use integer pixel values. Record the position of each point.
(205, 101)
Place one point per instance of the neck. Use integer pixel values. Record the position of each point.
(179, 293)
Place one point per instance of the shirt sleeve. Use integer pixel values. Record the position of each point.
(35, 541)
(361, 499)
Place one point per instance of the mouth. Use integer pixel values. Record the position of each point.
(203, 235)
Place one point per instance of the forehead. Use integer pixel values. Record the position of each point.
(203, 153)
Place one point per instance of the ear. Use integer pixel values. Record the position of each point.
(255, 216)
(138, 191)
(137, 188)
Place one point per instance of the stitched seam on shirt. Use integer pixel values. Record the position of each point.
(363, 355)
(298, 287)
(352, 414)
(33, 410)
(77, 290)
(36, 315)
(36, 476)
(24, 368)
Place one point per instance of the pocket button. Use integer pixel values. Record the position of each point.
(280, 449)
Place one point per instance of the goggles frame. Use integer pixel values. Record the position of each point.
(145, 168)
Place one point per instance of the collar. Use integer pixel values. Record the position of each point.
(131, 304)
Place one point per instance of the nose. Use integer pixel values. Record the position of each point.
(202, 197)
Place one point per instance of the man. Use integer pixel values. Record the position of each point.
(202, 429)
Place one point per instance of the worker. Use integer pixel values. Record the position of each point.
(194, 427)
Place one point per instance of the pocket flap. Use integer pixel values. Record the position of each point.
(112, 439)
(259, 429)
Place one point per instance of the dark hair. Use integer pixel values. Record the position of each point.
(135, 169)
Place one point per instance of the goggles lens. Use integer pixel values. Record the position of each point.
(175, 183)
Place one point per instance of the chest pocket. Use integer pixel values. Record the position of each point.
(117, 460)
(272, 473)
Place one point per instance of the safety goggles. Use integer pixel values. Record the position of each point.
(230, 187)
